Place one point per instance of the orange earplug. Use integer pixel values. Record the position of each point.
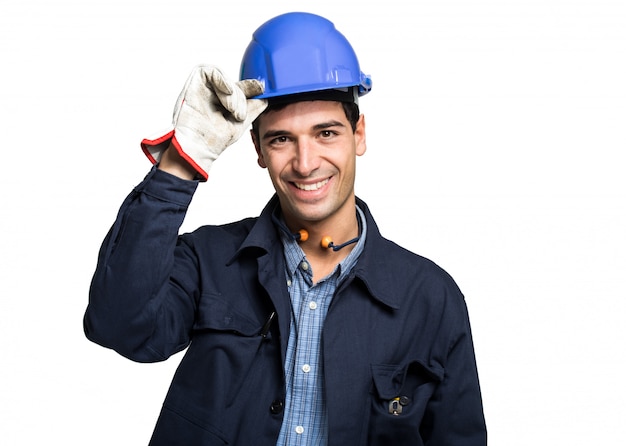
(326, 241)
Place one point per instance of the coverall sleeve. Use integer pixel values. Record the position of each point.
(456, 412)
(138, 305)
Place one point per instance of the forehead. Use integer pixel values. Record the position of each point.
(302, 114)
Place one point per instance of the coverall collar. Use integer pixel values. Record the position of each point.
(373, 268)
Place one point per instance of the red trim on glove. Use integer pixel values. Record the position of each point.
(165, 140)
(146, 143)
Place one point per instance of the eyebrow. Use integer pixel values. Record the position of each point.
(316, 127)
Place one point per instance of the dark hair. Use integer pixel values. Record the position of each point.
(351, 110)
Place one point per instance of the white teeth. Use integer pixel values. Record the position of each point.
(315, 186)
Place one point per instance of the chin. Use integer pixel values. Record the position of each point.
(310, 215)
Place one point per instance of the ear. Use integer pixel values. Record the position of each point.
(257, 146)
(359, 136)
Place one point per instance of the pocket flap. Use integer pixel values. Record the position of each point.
(389, 379)
(215, 313)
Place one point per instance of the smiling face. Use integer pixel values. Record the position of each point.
(310, 152)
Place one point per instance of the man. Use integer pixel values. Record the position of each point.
(303, 326)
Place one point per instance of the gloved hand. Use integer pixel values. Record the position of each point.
(211, 113)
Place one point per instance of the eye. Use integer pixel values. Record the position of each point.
(278, 140)
(326, 134)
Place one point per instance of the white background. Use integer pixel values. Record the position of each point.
(495, 148)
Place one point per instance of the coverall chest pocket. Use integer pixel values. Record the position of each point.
(400, 395)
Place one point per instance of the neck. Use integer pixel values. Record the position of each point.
(340, 228)
(332, 235)
(338, 237)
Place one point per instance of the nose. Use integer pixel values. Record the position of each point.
(306, 159)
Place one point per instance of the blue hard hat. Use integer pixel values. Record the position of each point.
(300, 52)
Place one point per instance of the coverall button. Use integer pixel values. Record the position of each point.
(404, 400)
(276, 407)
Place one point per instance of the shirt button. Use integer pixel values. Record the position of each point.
(312, 305)
(299, 430)
(306, 368)
(304, 266)
(288, 282)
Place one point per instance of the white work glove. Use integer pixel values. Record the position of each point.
(211, 113)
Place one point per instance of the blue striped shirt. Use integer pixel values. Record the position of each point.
(305, 420)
